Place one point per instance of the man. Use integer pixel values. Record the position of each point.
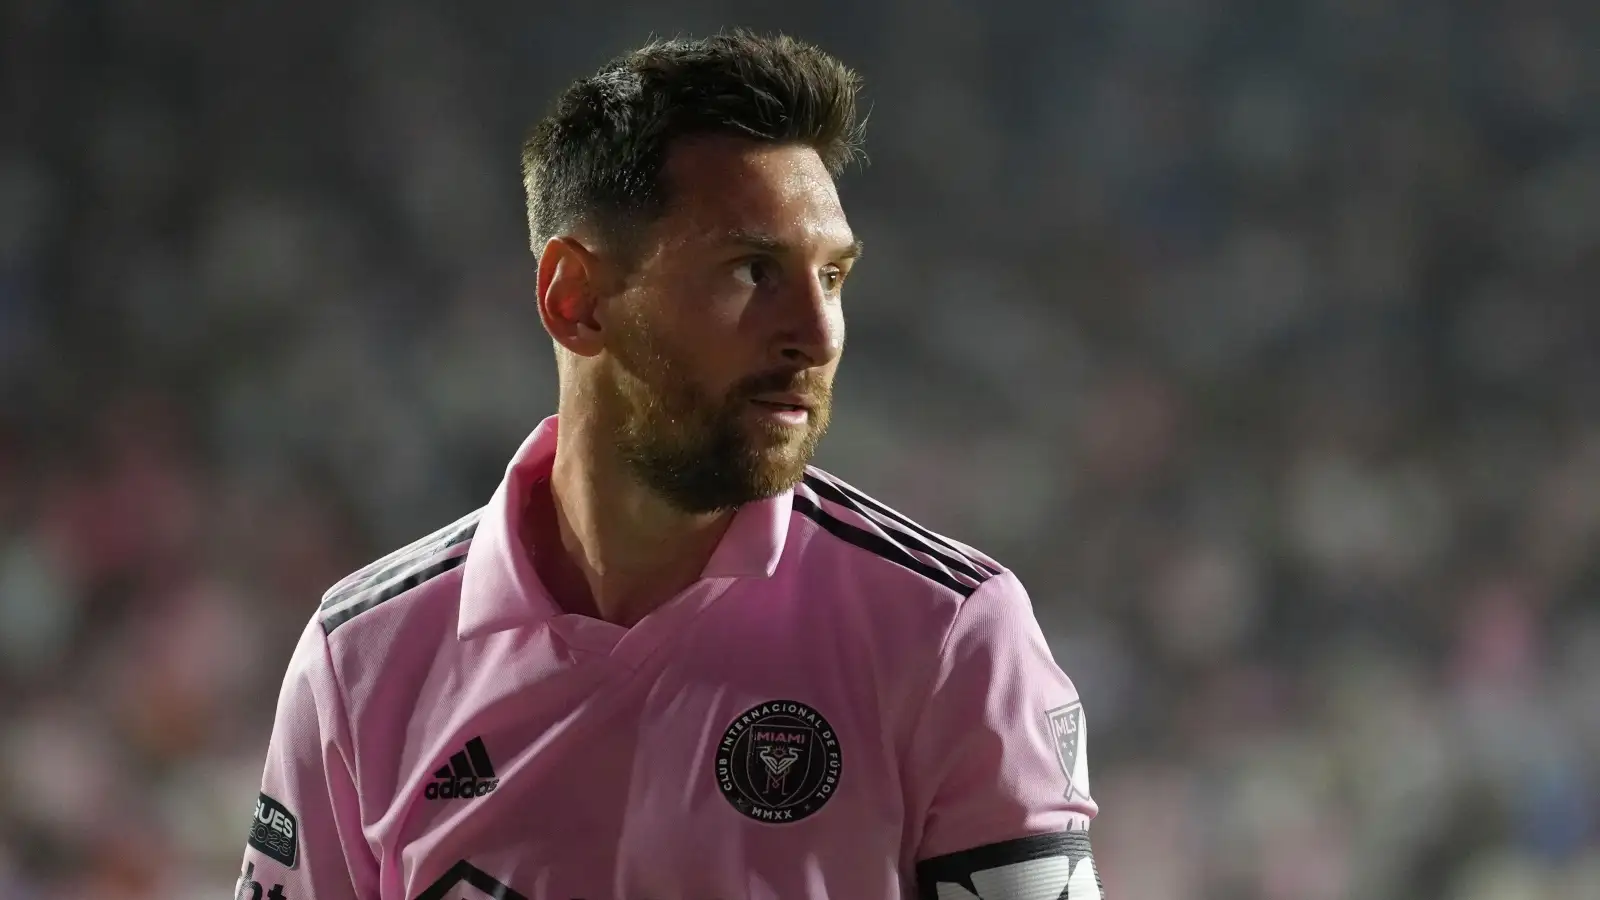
(668, 659)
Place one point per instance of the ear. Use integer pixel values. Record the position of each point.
(568, 295)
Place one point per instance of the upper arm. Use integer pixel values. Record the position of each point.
(997, 762)
(306, 838)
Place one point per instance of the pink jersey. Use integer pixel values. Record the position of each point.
(844, 706)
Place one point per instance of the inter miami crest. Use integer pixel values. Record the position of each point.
(778, 762)
(1066, 730)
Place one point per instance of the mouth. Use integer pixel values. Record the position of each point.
(781, 407)
(788, 411)
(783, 402)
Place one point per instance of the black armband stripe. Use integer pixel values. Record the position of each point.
(1042, 867)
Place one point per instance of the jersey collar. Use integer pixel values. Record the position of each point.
(500, 589)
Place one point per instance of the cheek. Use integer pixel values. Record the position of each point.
(836, 326)
(713, 336)
(725, 344)
(701, 364)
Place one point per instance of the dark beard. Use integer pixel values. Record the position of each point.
(695, 452)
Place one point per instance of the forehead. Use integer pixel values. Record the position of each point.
(719, 185)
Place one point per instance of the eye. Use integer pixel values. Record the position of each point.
(755, 272)
(833, 279)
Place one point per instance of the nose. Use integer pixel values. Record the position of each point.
(813, 330)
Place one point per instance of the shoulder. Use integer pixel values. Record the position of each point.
(877, 538)
(406, 569)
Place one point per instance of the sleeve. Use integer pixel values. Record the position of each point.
(305, 840)
(997, 763)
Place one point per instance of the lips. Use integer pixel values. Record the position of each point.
(783, 401)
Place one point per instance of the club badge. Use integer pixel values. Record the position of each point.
(779, 762)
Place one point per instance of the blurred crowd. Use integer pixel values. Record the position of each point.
(1252, 335)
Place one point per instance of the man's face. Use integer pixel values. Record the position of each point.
(722, 348)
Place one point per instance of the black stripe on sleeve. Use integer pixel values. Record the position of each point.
(929, 542)
(402, 559)
(387, 592)
(878, 545)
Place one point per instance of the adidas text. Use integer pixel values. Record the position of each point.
(460, 789)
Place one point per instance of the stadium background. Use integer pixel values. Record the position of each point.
(1260, 338)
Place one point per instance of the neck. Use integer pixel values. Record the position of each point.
(626, 551)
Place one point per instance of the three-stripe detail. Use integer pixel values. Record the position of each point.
(398, 572)
(897, 538)
(473, 762)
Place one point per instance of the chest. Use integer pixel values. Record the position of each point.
(740, 755)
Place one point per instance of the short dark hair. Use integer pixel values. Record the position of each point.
(597, 158)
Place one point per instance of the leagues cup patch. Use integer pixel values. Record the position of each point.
(274, 831)
(778, 762)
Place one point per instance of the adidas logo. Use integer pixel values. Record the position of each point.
(469, 774)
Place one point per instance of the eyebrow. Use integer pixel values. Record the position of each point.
(766, 243)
